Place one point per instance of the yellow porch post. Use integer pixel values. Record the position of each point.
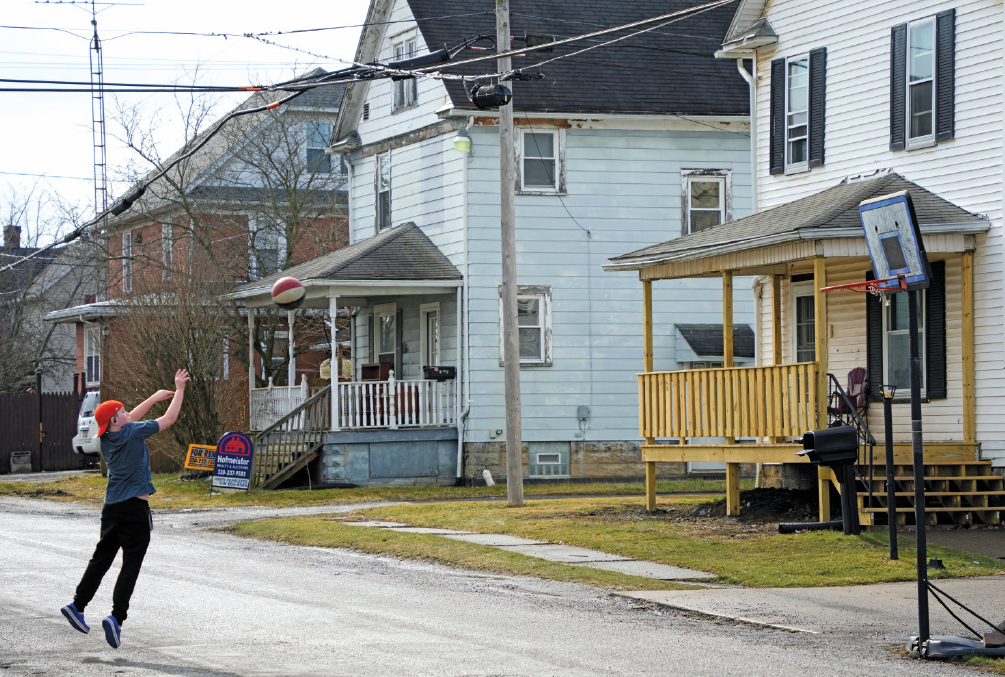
(647, 343)
(820, 351)
(732, 469)
(776, 320)
(969, 402)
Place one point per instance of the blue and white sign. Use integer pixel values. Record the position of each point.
(234, 453)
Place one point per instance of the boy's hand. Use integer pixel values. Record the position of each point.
(181, 377)
(162, 395)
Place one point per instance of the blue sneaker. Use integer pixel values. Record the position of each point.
(113, 634)
(76, 618)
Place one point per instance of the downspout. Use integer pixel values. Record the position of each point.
(466, 362)
(751, 79)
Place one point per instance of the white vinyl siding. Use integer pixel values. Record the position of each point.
(966, 170)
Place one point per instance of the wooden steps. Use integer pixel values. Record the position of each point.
(955, 494)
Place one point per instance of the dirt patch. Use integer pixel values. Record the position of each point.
(762, 506)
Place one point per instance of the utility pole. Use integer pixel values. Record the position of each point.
(507, 211)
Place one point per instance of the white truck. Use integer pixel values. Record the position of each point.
(86, 441)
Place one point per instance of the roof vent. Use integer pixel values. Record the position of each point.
(366, 111)
(865, 176)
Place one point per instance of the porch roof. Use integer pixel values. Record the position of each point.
(831, 213)
(397, 261)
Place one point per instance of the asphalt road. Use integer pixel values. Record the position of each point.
(209, 603)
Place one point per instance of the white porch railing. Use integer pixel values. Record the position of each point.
(395, 404)
(268, 405)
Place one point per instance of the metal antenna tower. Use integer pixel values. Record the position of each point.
(98, 119)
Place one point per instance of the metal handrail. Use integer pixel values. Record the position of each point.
(277, 448)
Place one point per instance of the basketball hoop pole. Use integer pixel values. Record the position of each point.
(919, 470)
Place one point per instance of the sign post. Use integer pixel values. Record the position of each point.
(234, 453)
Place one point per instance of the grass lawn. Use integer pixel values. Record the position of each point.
(753, 555)
(174, 494)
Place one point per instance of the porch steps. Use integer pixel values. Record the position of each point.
(292, 442)
(963, 493)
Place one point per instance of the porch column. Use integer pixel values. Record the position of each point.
(647, 343)
(732, 469)
(334, 363)
(776, 331)
(291, 369)
(251, 350)
(969, 413)
(820, 352)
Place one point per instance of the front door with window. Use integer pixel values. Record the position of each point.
(804, 339)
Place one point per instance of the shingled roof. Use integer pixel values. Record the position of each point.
(664, 71)
(818, 216)
(402, 253)
(706, 339)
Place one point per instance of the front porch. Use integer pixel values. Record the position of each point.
(759, 413)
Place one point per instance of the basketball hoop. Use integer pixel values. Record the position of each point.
(875, 287)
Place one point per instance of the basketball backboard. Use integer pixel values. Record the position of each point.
(894, 239)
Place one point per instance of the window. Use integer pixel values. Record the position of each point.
(405, 93)
(804, 335)
(429, 338)
(533, 325)
(888, 352)
(266, 247)
(167, 251)
(706, 198)
(386, 330)
(540, 168)
(318, 134)
(383, 189)
(896, 341)
(127, 263)
(798, 112)
(92, 355)
(922, 65)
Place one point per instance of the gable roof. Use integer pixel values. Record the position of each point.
(402, 253)
(830, 213)
(194, 171)
(747, 12)
(706, 339)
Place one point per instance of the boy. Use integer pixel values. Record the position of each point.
(126, 521)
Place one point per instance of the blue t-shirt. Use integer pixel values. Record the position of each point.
(128, 461)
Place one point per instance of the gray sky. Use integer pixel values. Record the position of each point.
(50, 134)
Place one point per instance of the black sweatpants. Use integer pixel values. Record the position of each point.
(126, 525)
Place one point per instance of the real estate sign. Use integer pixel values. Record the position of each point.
(234, 453)
(200, 457)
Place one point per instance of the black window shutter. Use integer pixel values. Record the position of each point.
(945, 73)
(818, 95)
(397, 344)
(371, 355)
(898, 87)
(874, 342)
(935, 333)
(777, 155)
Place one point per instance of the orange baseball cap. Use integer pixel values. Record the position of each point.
(104, 413)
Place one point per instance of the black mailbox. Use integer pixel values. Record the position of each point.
(440, 373)
(831, 446)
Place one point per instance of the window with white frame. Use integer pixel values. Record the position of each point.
(533, 325)
(92, 355)
(921, 82)
(386, 330)
(167, 251)
(706, 198)
(896, 341)
(266, 247)
(540, 167)
(405, 90)
(804, 345)
(383, 189)
(127, 263)
(797, 113)
(429, 337)
(318, 134)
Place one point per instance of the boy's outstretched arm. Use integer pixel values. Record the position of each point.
(171, 415)
(141, 409)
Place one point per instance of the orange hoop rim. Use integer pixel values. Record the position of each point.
(869, 286)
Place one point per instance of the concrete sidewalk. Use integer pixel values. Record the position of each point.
(886, 612)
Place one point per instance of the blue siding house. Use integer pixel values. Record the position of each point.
(618, 148)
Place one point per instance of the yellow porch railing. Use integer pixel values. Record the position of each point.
(775, 401)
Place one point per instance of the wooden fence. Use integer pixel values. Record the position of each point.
(19, 419)
(738, 402)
